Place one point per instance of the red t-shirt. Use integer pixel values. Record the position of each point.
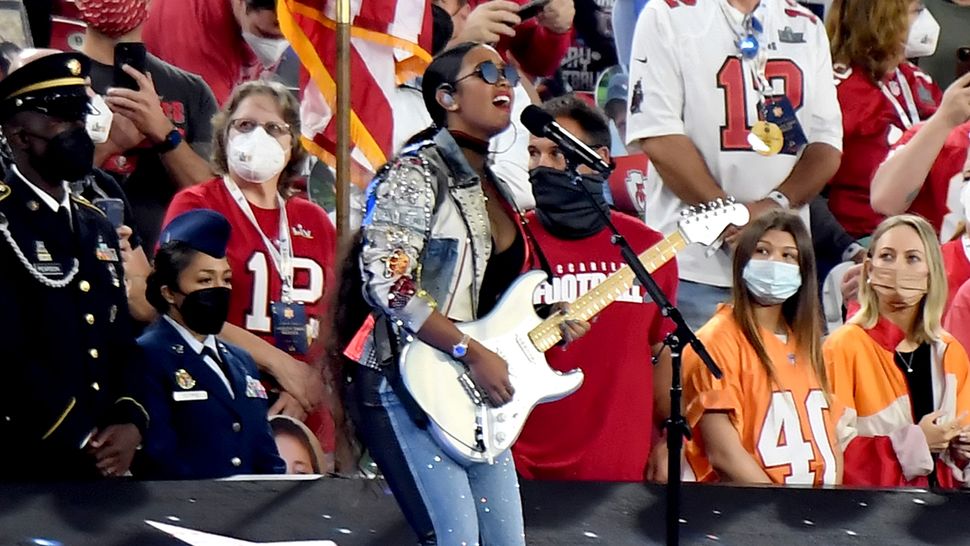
(950, 162)
(957, 269)
(602, 431)
(255, 281)
(202, 37)
(870, 125)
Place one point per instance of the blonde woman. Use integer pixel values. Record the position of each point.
(902, 378)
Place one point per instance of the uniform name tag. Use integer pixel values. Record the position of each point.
(185, 396)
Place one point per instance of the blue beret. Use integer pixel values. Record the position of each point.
(204, 230)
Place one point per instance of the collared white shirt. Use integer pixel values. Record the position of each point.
(197, 346)
(47, 198)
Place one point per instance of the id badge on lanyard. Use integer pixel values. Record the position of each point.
(288, 318)
(909, 116)
(777, 129)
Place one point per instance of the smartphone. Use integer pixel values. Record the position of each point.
(133, 55)
(530, 10)
(963, 61)
(113, 208)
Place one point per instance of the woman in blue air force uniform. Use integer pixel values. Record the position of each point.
(206, 405)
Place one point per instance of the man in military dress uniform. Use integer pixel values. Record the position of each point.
(65, 342)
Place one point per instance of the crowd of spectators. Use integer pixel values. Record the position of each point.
(160, 217)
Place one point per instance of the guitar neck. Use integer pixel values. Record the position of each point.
(547, 334)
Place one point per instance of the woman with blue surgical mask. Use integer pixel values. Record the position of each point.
(770, 418)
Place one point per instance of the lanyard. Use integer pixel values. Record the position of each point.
(757, 64)
(913, 117)
(282, 256)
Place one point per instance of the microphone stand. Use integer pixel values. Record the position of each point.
(675, 425)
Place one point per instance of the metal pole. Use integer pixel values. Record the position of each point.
(343, 119)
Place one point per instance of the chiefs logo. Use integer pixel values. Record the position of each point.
(635, 183)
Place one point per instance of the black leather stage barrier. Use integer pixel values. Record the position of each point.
(352, 512)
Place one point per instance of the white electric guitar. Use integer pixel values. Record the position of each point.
(461, 419)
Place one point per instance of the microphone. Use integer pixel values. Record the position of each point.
(542, 125)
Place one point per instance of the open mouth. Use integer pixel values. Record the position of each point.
(502, 101)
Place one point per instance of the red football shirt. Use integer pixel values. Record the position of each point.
(871, 125)
(957, 268)
(602, 431)
(255, 281)
(201, 37)
(950, 162)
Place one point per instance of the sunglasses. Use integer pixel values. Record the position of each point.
(491, 74)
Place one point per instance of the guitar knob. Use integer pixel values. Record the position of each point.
(500, 417)
(500, 437)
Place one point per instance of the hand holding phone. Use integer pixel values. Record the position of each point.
(533, 8)
(132, 54)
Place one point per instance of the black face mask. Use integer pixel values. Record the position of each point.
(204, 311)
(563, 207)
(69, 156)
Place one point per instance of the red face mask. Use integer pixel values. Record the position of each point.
(113, 18)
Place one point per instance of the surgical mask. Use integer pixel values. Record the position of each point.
(98, 122)
(923, 36)
(69, 156)
(204, 311)
(898, 289)
(267, 50)
(771, 282)
(563, 208)
(255, 156)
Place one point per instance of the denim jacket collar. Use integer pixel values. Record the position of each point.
(464, 174)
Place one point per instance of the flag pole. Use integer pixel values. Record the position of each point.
(343, 119)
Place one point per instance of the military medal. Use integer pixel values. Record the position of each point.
(766, 138)
(40, 249)
(184, 380)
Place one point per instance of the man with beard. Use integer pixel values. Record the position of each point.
(612, 418)
(65, 337)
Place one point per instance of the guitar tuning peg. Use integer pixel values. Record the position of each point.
(730, 199)
(684, 212)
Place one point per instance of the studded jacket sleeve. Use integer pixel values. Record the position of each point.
(396, 228)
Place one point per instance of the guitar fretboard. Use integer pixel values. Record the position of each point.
(547, 334)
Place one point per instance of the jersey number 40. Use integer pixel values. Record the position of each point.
(782, 441)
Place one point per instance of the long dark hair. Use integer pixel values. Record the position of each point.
(171, 260)
(801, 312)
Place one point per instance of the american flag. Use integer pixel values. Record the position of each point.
(390, 41)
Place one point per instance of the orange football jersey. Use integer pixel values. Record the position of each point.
(883, 446)
(788, 426)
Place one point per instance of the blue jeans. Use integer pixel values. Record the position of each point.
(465, 504)
(698, 302)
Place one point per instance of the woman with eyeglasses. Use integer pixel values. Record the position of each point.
(281, 249)
(441, 241)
